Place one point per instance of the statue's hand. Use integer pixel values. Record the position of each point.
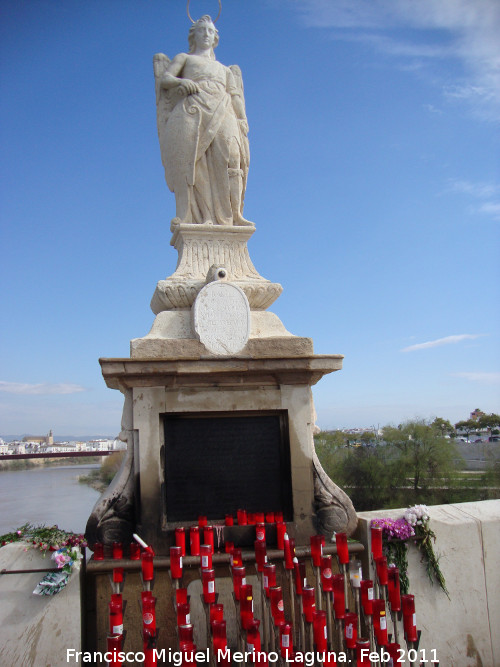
(188, 87)
(243, 126)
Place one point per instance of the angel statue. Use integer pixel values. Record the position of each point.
(202, 128)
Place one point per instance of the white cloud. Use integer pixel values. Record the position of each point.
(467, 31)
(448, 340)
(483, 378)
(488, 193)
(490, 208)
(39, 389)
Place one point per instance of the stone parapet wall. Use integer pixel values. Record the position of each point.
(462, 629)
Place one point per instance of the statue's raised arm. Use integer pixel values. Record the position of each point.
(202, 128)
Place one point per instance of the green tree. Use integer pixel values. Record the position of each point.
(368, 436)
(489, 422)
(468, 426)
(425, 455)
(443, 426)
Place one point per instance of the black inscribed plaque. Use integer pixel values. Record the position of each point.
(215, 465)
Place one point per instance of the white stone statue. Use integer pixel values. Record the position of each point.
(202, 128)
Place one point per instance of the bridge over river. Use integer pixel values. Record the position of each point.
(57, 455)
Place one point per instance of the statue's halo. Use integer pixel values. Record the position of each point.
(193, 21)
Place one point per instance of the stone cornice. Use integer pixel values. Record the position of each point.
(234, 372)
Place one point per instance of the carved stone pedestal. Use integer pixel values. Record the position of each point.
(218, 409)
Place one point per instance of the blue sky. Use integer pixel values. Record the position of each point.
(374, 185)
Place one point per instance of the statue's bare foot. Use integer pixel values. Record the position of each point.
(241, 222)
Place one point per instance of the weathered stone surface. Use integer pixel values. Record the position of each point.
(221, 318)
(113, 517)
(36, 630)
(334, 509)
(199, 248)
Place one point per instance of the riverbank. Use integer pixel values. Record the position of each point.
(27, 464)
(100, 478)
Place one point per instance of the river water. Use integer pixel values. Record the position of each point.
(46, 496)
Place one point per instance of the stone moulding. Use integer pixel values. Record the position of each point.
(127, 373)
(200, 247)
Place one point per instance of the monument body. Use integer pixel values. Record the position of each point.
(218, 411)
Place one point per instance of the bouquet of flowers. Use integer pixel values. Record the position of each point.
(397, 532)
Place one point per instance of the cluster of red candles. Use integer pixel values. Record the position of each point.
(319, 607)
(116, 606)
(387, 579)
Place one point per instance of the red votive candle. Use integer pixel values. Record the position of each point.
(393, 588)
(260, 532)
(351, 629)
(149, 615)
(241, 517)
(208, 536)
(338, 596)
(260, 517)
(181, 595)
(180, 539)
(319, 630)
(277, 605)
(299, 568)
(251, 518)
(380, 622)
(260, 554)
(363, 652)
(183, 615)
(219, 635)
(238, 580)
(287, 549)
(376, 538)
(317, 544)
(309, 602)
(326, 574)
(367, 596)
(176, 562)
(114, 647)
(186, 633)
(393, 650)
(236, 559)
(117, 576)
(208, 582)
(216, 612)
(246, 606)
(98, 551)
(382, 574)
(117, 550)
(254, 644)
(269, 517)
(286, 642)
(280, 534)
(194, 541)
(135, 551)
(147, 566)
(228, 547)
(206, 551)
(202, 521)
(116, 615)
(342, 549)
(278, 517)
(269, 577)
(229, 520)
(409, 617)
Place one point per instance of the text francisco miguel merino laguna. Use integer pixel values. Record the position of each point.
(178, 658)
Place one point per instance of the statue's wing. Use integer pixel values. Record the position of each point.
(164, 103)
(238, 79)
